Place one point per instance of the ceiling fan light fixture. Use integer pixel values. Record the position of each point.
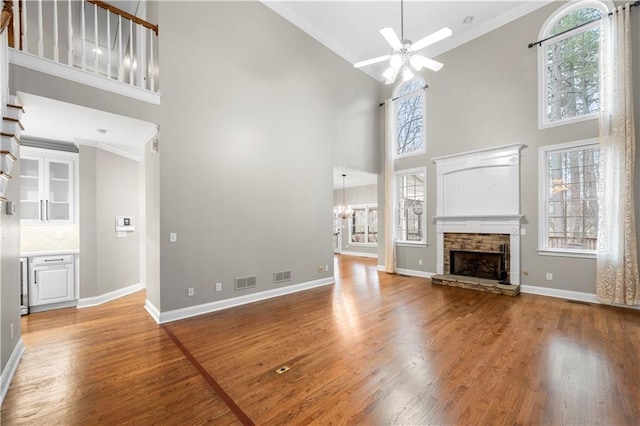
(407, 74)
(396, 60)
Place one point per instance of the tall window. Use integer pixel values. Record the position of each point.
(569, 200)
(569, 63)
(409, 117)
(410, 216)
(364, 225)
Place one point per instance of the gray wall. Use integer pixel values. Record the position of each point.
(10, 269)
(486, 95)
(354, 196)
(109, 187)
(249, 135)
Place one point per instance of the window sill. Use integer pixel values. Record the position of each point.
(410, 244)
(568, 253)
(364, 244)
(551, 124)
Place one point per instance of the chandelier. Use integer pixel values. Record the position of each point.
(343, 211)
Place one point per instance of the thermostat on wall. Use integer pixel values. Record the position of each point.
(125, 224)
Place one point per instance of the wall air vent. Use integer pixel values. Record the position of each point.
(280, 277)
(245, 282)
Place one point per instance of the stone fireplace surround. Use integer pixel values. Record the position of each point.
(478, 193)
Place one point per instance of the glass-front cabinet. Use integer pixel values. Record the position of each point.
(47, 186)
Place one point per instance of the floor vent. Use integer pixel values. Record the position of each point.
(245, 282)
(280, 277)
(579, 302)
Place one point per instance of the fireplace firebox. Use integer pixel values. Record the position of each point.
(490, 266)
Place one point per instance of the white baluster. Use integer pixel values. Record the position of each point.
(140, 54)
(55, 31)
(25, 41)
(69, 36)
(131, 53)
(108, 44)
(83, 24)
(16, 25)
(151, 64)
(95, 35)
(120, 69)
(40, 31)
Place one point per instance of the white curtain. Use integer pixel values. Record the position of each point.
(617, 264)
(389, 196)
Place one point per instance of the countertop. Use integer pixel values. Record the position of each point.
(48, 252)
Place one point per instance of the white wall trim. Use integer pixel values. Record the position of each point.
(152, 310)
(559, 293)
(361, 254)
(27, 60)
(568, 294)
(108, 148)
(381, 268)
(414, 273)
(10, 369)
(85, 302)
(205, 308)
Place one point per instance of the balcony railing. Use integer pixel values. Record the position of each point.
(89, 35)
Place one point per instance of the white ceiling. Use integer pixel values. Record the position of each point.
(48, 119)
(354, 178)
(350, 28)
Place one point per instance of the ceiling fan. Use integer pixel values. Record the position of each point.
(404, 55)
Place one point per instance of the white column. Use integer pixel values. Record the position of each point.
(40, 30)
(69, 35)
(55, 31)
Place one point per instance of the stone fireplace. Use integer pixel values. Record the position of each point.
(478, 219)
(483, 256)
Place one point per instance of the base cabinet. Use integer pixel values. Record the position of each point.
(51, 280)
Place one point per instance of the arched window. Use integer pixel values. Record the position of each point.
(569, 71)
(409, 114)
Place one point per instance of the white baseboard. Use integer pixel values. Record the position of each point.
(191, 311)
(569, 295)
(562, 294)
(103, 298)
(359, 254)
(381, 268)
(414, 273)
(52, 306)
(152, 310)
(10, 369)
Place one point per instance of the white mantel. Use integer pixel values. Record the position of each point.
(479, 192)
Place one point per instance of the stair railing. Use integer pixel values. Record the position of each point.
(91, 35)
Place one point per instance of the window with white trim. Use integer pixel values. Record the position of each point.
(569, 177)
(411, 206)
(363, 225)
(569, 83)
(409, 117)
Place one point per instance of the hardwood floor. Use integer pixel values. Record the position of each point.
(372, 349)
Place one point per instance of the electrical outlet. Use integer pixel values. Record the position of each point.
(190, 291)
(326, 268)
(419, 261)
(173, 237)
(11, 330)
(523, 231)
(218, 286)
(549, 276)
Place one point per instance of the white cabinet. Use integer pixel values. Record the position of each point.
(47, 186)
(51, 279)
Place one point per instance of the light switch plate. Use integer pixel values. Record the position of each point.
(173, 237)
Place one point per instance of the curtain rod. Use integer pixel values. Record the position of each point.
(539, 42)
(415, 91)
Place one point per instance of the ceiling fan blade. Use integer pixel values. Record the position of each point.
(391, 37)
(390, 75)
(441, 34)
(418, 62)
(371, 61)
